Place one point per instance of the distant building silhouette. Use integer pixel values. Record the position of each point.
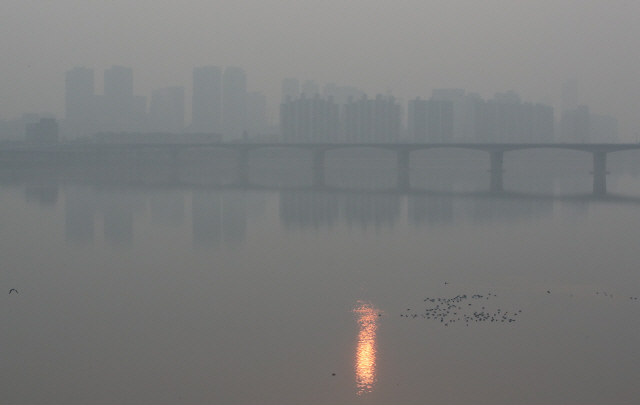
(116, 110)
(234, 103)
(256, 113)
(166, 112)
(575, 125)
(79, 102)
(417, 120)
(506, 119)
(207, 99)
(156, 137)
(341, 94)
(377, 120)
(43, 132)
(309, 120)
(118, 98)
(291, 89)
(431, 120)
(310, 88)
(457, 100)
(440, 121)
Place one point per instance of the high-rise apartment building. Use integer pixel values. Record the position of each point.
(575, 125)
(79, 92)
(234, 103)
(431, 120)
(206, 103)
(256, 113)
(290, 88)
(417, 120)
(309, 120)
(506, 119)
(310, 88)
(440, 121)
(460, 111)
(118, 98)
(43, 132)
(79, 101)
(341, 94)
(377, 120)
(166, 111)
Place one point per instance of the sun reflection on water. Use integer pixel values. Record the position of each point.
(366, 351)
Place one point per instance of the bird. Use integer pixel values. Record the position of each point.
(12, 290)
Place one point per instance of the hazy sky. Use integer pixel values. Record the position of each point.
(408, 47)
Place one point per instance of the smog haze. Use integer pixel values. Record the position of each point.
(406, 48)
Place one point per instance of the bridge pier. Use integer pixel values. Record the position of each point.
(243, 166)
(599, 173)
(318, 167)
(496, 169)
(403, 169)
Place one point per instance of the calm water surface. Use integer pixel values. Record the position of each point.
(140, 287)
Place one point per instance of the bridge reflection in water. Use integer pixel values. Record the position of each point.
(366, 350)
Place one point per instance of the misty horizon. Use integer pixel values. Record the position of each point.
(360, 202)
(483, 48)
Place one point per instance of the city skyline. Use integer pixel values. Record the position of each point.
(222, 104)
(406, 48)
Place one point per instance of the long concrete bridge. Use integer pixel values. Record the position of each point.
(496, 153)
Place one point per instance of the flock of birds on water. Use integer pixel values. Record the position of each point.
(456, 309)
(450, 310)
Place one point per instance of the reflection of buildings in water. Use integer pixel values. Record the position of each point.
(80, 208)
(314, 209)
(431, 210)
(506, 209)
(118, 209)
(206, 217)
(219, 217)
(366, 349)
(167, 206)
(234, 216)
(434, 209)
(308, 209)
(370, 209)
(45, 195)
(256, 204)
(495, 209)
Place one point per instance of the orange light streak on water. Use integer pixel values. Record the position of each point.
(366, 351)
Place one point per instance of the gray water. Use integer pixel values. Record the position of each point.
(150, 285)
